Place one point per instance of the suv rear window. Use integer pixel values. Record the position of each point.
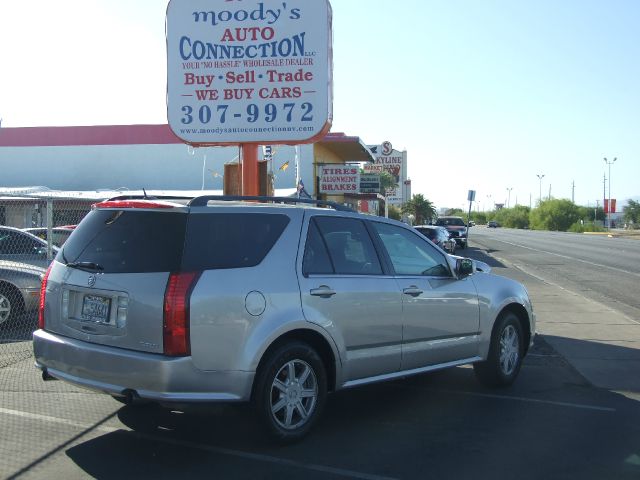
(128, 241)
(230, 240)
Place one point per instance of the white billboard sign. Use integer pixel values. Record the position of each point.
(249, 71)
(339, 179)
(395, 164)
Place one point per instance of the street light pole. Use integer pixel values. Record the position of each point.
(509, 196)
(540, 177)
(609, 201)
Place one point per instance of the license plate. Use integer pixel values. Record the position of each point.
(96, 308)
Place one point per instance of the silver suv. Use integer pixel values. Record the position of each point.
(269, 303)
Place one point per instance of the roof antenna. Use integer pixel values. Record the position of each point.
(145, 192)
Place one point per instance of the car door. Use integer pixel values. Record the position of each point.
(440, 311)
(345, 290)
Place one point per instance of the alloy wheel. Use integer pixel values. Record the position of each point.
(509, 350)
(294, 394)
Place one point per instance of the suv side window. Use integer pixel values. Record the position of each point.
(230, 240)
(339, 246)
(410, 254)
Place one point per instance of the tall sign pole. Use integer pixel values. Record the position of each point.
(249, 73)
(471, 197)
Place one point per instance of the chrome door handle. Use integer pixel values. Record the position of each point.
(413, 291)
(322, 291)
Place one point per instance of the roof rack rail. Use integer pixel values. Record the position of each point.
(204, 199)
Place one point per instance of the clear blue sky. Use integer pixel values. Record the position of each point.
(483, 95)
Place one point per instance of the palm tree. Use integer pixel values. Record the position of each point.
(421, 208)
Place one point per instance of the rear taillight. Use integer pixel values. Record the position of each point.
(43, 297)
(176, 313)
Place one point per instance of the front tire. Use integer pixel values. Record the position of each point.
(10, 306)
(503, 363)
(291, 390)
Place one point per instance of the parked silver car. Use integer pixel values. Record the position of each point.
(19, 289)
(59, 235)
(274, 304)
(19, 246)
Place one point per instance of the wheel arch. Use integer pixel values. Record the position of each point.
(523, 316)
(312, 338)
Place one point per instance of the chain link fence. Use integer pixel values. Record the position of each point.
(31, 231)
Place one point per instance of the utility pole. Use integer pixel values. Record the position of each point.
(604, 195)
(609, 202)
(540, 177)
(573, 191)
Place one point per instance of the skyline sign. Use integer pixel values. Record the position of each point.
(394, 162)
(248, 71)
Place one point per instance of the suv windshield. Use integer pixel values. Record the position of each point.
(455, 221)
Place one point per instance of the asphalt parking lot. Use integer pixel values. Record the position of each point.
(552, 423)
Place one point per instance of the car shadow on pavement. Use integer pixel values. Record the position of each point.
(397, 429)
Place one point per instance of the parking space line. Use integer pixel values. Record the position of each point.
(517, 399)
(61, 421)
(199, 446)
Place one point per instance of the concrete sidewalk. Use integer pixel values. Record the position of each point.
(602, 344)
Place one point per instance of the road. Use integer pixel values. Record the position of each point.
(598, 267)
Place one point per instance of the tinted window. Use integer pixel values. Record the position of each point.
(410, 254)
(316, 258)
(123, 241)
(349, 245)
(430, 233)
(15, 243)
(230, 240)
(457, 222)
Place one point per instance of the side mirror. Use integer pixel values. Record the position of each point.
(464, 267)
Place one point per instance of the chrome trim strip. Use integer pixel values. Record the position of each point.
(427, 340)
(406, 373)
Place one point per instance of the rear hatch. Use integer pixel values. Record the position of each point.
(108, 282)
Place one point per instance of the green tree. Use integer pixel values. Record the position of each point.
(421, 208)
(455, 212)
(632, 212)
(516, 217)
(554, 214)
(387, 181)
(394, 213)
(591, 214)
(479, 217)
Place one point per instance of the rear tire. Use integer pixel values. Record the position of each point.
(290, 391)
(503, 363)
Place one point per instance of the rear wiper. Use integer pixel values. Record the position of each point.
(85, 265)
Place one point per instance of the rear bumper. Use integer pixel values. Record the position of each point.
(149, 376)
